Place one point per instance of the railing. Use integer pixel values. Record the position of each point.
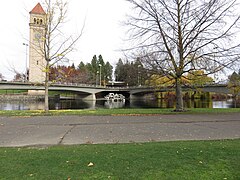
(107, 87)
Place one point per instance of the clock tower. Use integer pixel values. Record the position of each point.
(37, 61)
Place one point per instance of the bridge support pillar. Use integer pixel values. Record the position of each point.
(91, 97)
(36, 92)
(135, 97)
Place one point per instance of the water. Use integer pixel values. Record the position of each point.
(80, 104)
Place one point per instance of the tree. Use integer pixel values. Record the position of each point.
(1, 77)
(234, 86)
(81, 66)
(83, 74)
(56, 46)
(19, 77)
(132, 73)
(63, 74)
(118, 70)
(174, 37)
(159, 81)
(197, 78)
(126, 72)
(94, 69)
(108, 70)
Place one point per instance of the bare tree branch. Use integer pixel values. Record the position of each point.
(179, 36)
(53, 45)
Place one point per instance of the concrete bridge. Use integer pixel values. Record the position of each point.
(84, 91)
(91, 92)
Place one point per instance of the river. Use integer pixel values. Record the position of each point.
(80, 104)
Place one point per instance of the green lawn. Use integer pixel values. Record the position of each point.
(165, 160)
(116, 112)
(12, 91)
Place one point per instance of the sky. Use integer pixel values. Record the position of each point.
(103, 31)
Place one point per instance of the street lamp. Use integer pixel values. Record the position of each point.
(215, 64)
(100, 78)
(97, 78)
(26, 75)
(139, 84)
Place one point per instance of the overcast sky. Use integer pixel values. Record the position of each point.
(103, 32)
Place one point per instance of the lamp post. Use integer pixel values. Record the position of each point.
(26, 75)
(100, 78)
(97, 78)
(215, 64)
(139, 84)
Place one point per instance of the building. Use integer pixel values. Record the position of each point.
(37, 63)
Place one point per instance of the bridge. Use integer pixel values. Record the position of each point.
(92, 92)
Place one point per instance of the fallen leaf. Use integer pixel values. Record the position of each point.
(90, 164)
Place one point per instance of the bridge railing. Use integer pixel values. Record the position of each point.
(107, 87)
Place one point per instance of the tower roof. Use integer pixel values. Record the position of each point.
(37, 9)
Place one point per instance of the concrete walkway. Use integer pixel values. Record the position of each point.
(68, 130)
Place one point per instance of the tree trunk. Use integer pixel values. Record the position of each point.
(235, 101)
(46, 106)
(179, 96)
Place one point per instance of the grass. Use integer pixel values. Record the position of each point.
(6, 92)
(116, 112)
(165, 160)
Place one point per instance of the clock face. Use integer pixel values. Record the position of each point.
(38, 36)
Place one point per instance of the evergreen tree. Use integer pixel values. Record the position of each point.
(133, 74)
(118, 70)
(81, 66)
(234, 86)
(108, 71)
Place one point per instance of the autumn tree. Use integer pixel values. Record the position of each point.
(158, 81)
(56, 45)
(1, 77)
(234, 86)
(198, 78)
(19, 77)
(174, 37)
(63, 74)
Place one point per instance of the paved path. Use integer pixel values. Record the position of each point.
(66, 130)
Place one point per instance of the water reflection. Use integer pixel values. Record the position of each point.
(80, 104)
(23, 105)
(71, 104)
(113, 104)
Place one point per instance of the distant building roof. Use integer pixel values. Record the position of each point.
(116, 83)
(37, 10)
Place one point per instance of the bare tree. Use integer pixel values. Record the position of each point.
(176, 37)
(18, 76)
(54, 45)
(1, 77)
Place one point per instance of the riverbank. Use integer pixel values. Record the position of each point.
(104, 112)
(21, 97)
(115, 147)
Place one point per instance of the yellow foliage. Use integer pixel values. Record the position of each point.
(198, 78)
(192, 78)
